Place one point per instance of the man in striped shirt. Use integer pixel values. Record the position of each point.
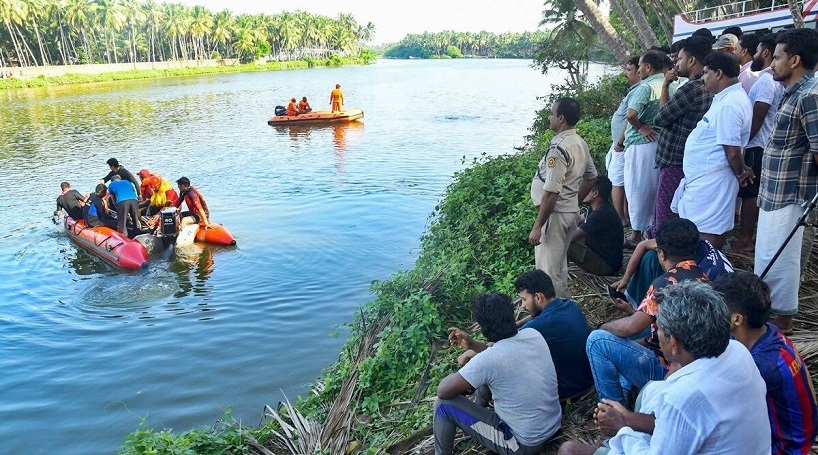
(790, 395)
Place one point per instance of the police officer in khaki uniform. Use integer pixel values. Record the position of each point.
(564, 177)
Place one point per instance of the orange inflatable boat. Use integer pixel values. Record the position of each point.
(108, 244)
(318, 117)
(216, 235)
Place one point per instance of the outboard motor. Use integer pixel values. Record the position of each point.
(280, 110)
(168, 225)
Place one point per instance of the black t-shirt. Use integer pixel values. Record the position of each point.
(125, 175)
(605, 234)
(70, 202)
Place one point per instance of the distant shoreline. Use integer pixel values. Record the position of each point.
(46, 76)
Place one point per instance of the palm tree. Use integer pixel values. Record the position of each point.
(643, 29)
(604, 29)
(568, 43)
(221, 31)
(12, 12)
(201, 23)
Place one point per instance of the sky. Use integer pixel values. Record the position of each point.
(395, 19)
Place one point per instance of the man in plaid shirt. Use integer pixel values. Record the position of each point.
(677, 117)
(789, 173)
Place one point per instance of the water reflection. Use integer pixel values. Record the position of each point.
(342, 133)
(193, 266)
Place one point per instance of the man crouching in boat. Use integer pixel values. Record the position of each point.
(197, 211)
(96, 211)
(71, 200)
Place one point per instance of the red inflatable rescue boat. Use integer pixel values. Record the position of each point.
(216, 235)
(108, 244)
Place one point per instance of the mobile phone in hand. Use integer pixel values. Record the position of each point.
(614, 294)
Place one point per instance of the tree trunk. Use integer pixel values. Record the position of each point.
(17, 50)
(665, 16)
(797, 18)
(25, 45)
(606, 32)
(642, 26)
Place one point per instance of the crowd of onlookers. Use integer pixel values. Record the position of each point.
(711, 130)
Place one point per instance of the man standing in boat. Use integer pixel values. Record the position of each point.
(336, 99)
(127, 204)
(117, 169)
(197, 211)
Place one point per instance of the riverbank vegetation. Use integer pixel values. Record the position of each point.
(450, 44)
(64, 32)
(76, 78)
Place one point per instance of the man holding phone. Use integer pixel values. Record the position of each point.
(612, 350)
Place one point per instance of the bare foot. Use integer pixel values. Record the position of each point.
(743, 246)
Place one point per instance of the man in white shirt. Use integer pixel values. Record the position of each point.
(765, 96)
(713, 165)
(714, 401)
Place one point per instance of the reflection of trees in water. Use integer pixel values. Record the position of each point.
(340, 133)
(193, 265)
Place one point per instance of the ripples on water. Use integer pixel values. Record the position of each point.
(318, 213)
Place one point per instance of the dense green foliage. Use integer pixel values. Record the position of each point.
(60, 32)
(477, 242)
(483, 44)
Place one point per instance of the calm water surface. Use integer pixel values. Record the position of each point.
(319, 213)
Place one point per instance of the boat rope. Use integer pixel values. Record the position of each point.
(103, 240)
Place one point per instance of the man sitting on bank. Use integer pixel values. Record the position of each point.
(790, 395)
(563, 326)
(713, 401)
(611, 350)
(526, 408)
(643, 267)
(560, 322)
(596, 245)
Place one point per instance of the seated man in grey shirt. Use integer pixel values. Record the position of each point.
(516, 370)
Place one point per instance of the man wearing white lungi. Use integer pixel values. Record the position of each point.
(615, 159)
(789, 174)
(641, 175)
(713, 164)
(564, 177)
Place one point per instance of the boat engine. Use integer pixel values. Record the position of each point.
(168, 225)
(281, 110)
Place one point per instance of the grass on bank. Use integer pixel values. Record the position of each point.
(77, 78)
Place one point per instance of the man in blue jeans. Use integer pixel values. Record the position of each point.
(615, 358)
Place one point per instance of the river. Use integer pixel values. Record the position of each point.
(89, 351)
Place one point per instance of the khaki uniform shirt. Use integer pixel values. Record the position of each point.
(567, 163)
